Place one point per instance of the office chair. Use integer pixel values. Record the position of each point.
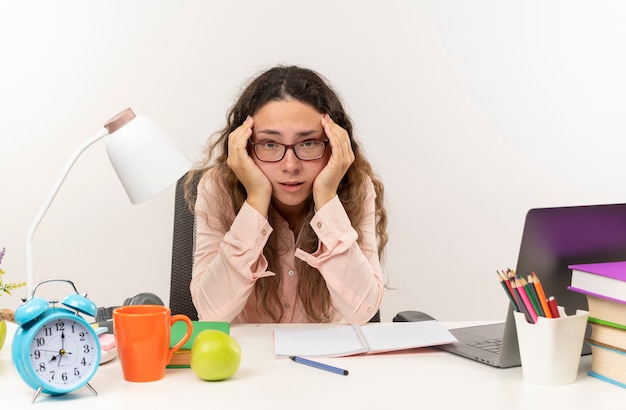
(182, 256)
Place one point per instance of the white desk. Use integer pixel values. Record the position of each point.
(422, 378)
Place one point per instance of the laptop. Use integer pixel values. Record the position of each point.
(552, 239)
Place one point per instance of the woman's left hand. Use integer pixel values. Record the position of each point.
(341, 158)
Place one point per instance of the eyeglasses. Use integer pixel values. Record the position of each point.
(270, 151)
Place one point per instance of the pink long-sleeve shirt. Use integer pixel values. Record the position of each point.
(227, 264)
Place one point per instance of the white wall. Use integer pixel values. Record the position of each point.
(471, 111)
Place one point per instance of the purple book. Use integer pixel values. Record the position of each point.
(605, 280)
(615, 270)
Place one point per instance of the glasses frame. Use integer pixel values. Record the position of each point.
(287, 147)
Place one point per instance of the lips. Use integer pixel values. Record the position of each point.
(290, 186)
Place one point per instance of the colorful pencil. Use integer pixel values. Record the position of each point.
(505, 276)
(527, 302)
(319, 365)
(508, 289)
(532, 295)
(520, 302)
(540, 293)
(553, 307)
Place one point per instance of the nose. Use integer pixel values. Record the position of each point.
(290, 162)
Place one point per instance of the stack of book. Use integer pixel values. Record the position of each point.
(604, 284)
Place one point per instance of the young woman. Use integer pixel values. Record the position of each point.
(291, 223)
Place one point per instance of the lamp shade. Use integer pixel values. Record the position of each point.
(145, 159)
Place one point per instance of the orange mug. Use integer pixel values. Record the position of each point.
(142, 336)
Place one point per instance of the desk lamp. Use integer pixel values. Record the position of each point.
(145, 159)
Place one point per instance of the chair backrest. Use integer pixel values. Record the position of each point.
(183, 247)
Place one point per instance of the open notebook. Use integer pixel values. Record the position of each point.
(349, 340)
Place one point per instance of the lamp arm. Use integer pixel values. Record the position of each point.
(42, 212)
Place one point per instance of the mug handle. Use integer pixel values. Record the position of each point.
(182, 341)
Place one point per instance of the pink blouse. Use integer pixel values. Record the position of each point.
(227, 264)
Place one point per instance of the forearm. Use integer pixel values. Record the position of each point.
(219, 290)
(350, 268)
(227, 264)
(355, 284)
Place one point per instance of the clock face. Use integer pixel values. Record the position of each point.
(64, 352)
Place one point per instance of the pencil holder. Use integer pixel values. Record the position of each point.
(550, 349)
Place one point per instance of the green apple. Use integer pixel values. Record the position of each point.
(215, 355)
(3, 332)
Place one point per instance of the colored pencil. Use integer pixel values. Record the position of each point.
(520, 302)
(505, 276)
(319, 365)
(553, 307)
(541, 294)
(506, 285)
(527, 302)
(532, 295)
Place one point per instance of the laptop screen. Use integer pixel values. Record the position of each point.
(555, 238)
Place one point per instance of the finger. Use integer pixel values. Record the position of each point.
(331, 133)
(238, 139)
(338, 137)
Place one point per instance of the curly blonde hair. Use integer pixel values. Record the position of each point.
(305, 85)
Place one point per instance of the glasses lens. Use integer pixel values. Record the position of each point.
(269, 151)
(310, 150)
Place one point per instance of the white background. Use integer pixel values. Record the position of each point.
(472, 112)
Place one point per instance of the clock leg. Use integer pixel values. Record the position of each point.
(95, 393)
(36, 394)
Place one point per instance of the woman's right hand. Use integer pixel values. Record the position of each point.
(258, 187)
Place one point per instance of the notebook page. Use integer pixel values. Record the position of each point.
(324, 342)
(383, 337)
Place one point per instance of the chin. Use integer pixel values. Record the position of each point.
(291, 201)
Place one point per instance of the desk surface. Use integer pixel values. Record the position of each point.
(398, 380)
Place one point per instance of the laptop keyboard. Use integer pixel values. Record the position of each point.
(491, 345)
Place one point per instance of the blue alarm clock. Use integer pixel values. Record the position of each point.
(55, 350)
